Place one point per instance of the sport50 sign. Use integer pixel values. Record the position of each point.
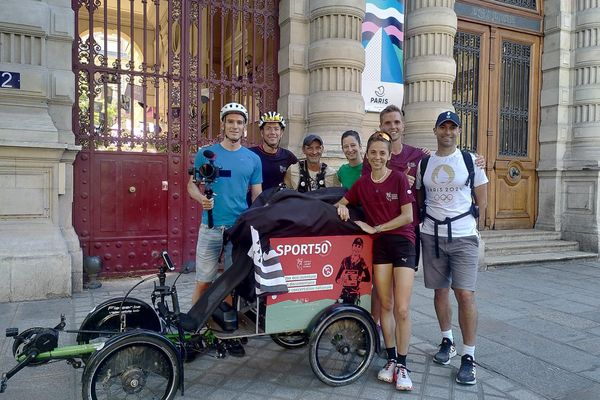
(321, 248)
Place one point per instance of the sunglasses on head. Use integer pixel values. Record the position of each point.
(381, 135)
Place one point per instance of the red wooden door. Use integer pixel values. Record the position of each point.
(151, 78)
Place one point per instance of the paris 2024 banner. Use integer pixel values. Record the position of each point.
(383, 41)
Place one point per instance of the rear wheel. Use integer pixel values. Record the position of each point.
(290, 340)
(134, 367)
(342, 348)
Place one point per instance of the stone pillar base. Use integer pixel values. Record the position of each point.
(580, 220)
(35, 262)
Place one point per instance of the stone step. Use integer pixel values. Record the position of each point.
(533, 258)
(522, 235)
(494, 248)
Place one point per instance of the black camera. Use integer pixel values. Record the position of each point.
(208, 172)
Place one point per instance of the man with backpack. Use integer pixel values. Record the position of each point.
(450, 192)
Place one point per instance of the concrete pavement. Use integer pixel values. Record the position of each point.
(539, 338)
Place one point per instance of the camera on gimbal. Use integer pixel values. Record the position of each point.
(208, 172)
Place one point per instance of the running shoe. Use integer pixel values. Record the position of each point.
(403, 381)
(446, 352)
(386, 374)
(467, 374)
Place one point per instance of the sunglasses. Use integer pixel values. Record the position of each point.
(381, 135)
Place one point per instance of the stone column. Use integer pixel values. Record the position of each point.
(430, 67)
(555, 99)
(581, 179)
(336, 60)
(40, 255)
(293, 70)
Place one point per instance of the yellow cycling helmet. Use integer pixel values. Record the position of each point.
(271, 116)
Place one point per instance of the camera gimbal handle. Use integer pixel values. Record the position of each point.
(208, 192)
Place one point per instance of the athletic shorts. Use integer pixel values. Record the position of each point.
(394, 249)
(457, 265)
(208, 251)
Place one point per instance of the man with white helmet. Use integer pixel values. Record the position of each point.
(239, 168)
(275, 160)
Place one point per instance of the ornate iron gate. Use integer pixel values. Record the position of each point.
(151, 77)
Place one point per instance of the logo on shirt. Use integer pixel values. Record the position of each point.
(391, 196)
(282, 168)
(443, 175)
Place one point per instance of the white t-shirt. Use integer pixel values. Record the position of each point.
(446, 194)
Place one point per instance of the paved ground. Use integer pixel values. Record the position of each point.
(539, 338)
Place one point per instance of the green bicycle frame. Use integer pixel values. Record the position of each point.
(81, 350)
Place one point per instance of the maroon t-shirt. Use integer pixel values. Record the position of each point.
(408, 157)
(383, 201)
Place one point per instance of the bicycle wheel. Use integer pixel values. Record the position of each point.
(290, 340)
(105, 317)
(134, 366)
(342, 348)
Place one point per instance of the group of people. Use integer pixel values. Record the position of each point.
(398, 199)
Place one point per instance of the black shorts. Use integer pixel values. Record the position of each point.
(394, 249)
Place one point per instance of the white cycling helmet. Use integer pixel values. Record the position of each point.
(234, 108)
(271, 116)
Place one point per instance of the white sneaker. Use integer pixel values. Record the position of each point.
(386, 374)
(403, 381)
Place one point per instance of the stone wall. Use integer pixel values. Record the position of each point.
(40, 255)
(568, 170)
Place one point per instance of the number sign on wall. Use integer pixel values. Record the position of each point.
(10, 80)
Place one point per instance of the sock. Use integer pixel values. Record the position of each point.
(448, 334)
(470, 350)
(402, 359)
(391, 353)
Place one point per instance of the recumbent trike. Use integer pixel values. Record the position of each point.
(129, 348)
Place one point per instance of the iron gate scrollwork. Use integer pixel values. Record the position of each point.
(151, 77)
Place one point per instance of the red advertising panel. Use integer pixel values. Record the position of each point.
(319, 272)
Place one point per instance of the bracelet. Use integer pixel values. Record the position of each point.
(378, 229)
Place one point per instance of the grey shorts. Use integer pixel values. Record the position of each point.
(208, 251)
(457, 265)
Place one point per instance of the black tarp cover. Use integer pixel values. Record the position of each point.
(276, 213)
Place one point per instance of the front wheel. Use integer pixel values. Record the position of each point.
(138, 366)
(342, 348)
(290, 340)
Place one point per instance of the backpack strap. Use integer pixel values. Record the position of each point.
(423, 167)
(304, 180)
(321, 176)
(471, 170)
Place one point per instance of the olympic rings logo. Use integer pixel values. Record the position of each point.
(443, 197)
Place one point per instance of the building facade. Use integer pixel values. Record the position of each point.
(104, 103)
